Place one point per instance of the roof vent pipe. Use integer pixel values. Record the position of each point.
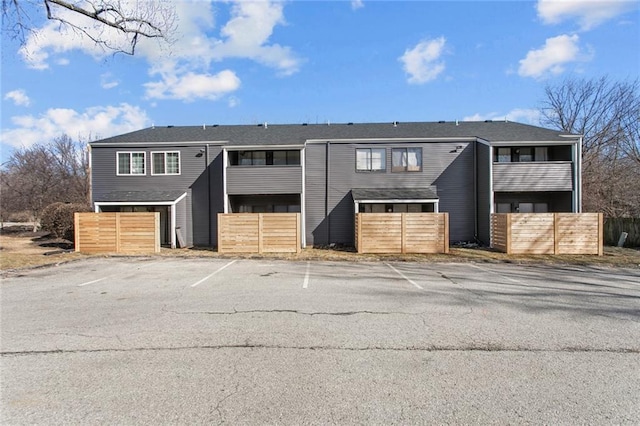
(265, 124)
(395, 124)
(456, 122)
(204, 126)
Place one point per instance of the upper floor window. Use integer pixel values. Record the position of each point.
(131, 163)
(371, 159)
(265, 158)
(406, 159)
(165, 163)
(529, 153)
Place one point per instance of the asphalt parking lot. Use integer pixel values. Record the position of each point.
(162, 340)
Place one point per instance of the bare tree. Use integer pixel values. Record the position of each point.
(607, 114)
(132, 19)
(43, 174)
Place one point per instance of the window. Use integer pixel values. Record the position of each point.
(525, 155)
(131, 163)
(371, 159)
(264, 158)
(406, 159)
(504, 155)
(165, 163)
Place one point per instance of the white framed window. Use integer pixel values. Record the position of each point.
(406, 159)
(371, 159)
(131, 163)
(165, 163)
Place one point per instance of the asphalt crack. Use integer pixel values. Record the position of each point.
(488, 348)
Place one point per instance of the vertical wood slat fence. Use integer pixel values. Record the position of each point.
(402, 232)
(126, 233)
(259, 233)
(547, 233)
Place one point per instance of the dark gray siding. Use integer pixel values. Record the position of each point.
(534, 176)
(484, 191)
(317, 230)
(264, 180)
(445, 168)
(193, 217)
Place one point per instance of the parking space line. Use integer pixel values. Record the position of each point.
(213, 273)
(404, 276)
(114, 275)
(92, 282)
(305, 283)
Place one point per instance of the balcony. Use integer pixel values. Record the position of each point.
(264, 180)
(533, 176)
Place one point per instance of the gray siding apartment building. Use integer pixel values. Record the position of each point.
(329, 172)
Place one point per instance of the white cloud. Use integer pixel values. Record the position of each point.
(423, 63)
(19, 97)
(246, 35)
(520, 115)
(101, 121)
(52, 38)
(588, 13)
(108, 82)
(357, 4)
(552, 58)
(190, 86)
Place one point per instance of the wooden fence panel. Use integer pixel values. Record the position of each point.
(259, 233)
(579, 233)
(126, 233)
(500, 227)
(547, 233)
(402, 232)
(532, 233)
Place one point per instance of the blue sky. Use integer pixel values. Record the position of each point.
(244, 62)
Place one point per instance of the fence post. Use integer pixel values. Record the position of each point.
(76, 231)
(403, 231)
(298, 234)
(600, 234)
(260, 233)
(118, 248)
(445, 233)
(556, 234)
(508, 239)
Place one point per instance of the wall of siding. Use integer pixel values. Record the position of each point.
(534, 176)
(192, 214)
(483, 157)
(264, 180)
(444, 168)
(316, 226)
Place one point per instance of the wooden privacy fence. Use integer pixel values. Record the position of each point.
(402, 232)
(547, 233)
(259, 233)
(614, 226)
(127, 233)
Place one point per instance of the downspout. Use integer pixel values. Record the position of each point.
(578, 179)
(208, 169)
(475, 190)
(326, 192)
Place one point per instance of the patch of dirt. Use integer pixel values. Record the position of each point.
(22, 248)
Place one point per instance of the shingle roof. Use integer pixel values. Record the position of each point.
(140, 196)
(297, 134)
(382, 194)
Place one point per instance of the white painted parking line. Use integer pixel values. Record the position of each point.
(215, 272)
(92, 282)
(305, 283)
(404, 276)
(114, 275)
(497, 273)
